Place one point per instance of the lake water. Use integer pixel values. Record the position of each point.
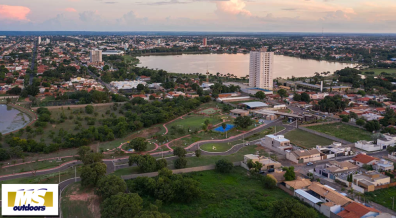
(237, 64)
(12, 119)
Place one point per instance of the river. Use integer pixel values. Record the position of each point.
(237, 64)
(12, 119)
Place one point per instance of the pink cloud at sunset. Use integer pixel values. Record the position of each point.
(70, 10)
(14, 12)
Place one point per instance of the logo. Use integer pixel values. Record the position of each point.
(29, 200)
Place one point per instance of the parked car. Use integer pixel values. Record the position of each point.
(309, 163)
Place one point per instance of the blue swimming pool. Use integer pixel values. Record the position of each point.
(220, 128)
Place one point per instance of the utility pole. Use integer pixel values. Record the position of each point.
(75, 173)
(59, 175)
(393, 203)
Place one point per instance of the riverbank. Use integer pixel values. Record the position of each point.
(29, 113)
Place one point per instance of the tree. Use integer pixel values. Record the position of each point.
(224, 166)
(290, 175)
(197, 153)
(91, 174)
(89, 109)
(305, 97)
(372, 125)
(297, 97)
(151, 214)
(121, 205)
(165, 172)
(110, 185)
(353, 115)
(260, 95)
(146, 163)
(161, 163)
(140, 87)
(361, 92)
(391, 149)
(282, 93)
(4, 155)
(180, 163)
(139, 144)
(268, 182)
(179, 151)
(243, 122)
(291, 208)
(360, 122)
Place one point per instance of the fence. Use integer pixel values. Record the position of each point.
(325, 135)
(317, 124)
(288, 191)
(178, 171)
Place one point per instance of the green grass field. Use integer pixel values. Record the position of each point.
(377, 71)
(193, 121)
(33, 166)
(382, 196)
(219, 147)
(343, 131)
(226, 195)
(305, 139)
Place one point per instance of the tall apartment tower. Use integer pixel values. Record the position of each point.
(261, 68)
(95, 56)
(39, 40)
(205, 42)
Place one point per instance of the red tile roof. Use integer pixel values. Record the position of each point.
(356, 210)
(362, 158)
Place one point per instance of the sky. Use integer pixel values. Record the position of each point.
(343, 16)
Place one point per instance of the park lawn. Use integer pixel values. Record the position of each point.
(305, 139)
(343, 131)
(40, 165)
(219, 147)
(193, 121)
(377, 71)
(383, 197)
(80, 202)
(226, 195)
(126, 171)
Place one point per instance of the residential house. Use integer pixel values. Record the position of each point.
(369, 180)
(367, 146)
(334, 169)
(386, 140)
(363, 159)
(384, 165)
(277, 143)
(299, 183)
(269, 165)
(239, 113)
(303, 156)
(392, 156)
(334, 150)
(357, 210)
(372, 116)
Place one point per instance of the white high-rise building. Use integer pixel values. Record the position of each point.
(39, 40)
(96, 56)
(47, 41)
(261, 68)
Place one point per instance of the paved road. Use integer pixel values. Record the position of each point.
(112, 90)
(33, 63)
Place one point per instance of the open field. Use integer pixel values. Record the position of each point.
(79, 202)
(343, 131)
(226, 195)
(216, 147)
(377, 71)
(210, 111)
(383, 197)
(305, 139)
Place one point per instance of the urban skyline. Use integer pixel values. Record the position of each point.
(191, 15)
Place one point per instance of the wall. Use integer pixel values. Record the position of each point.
(385, 186)
(357, 188)
(288, 191)
(318, 124)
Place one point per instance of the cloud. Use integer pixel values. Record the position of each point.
(14, 12)
(130, 18)
(70, 10)
(110, 2)
(232, 7)
(90, 16)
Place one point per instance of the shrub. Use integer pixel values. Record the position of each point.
(224, 166)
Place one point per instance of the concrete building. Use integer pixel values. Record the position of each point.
(386, 140)
(358, 210)
(277, 143)
(384, 165)
(239, 113)
(95, 56)
(126, 84)
(113, 52)
(205, 42)
(334, 150)
(335, 169)
(39, 40)
(261, 69)
(367, 146)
